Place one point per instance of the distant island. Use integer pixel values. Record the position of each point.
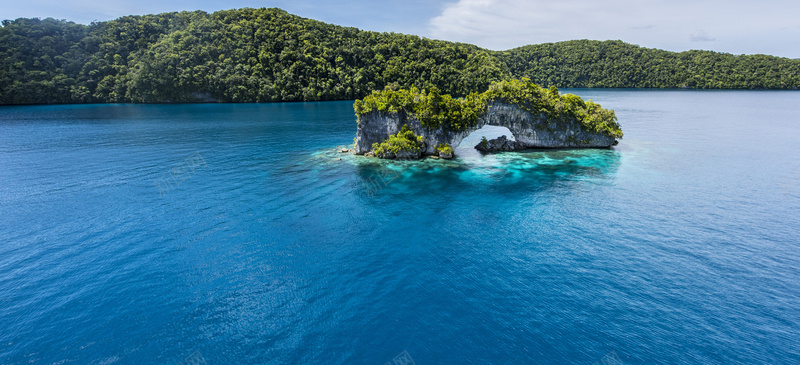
(264, 55)
(410, 124)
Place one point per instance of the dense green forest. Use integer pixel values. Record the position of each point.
(247, 55)
(616, 64)
(258, 55)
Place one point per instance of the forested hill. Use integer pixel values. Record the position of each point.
(247, 55)
(257, 55)
(617, 64)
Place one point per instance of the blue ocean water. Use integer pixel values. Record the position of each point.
(237, 234)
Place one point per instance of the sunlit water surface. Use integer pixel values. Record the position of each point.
(234, 234)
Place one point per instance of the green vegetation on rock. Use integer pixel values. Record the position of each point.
(435, 110)
(444, 149)
(403, 144)
(484, 143)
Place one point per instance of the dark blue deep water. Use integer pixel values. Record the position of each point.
(234, 234)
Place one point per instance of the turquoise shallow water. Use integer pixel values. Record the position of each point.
(233, 233)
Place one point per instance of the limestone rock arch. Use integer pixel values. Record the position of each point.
(530, 131)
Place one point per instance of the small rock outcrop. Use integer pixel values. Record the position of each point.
(501, 143)
(445, 151)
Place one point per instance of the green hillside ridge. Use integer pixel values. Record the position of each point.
(261, 55)
(615, 64)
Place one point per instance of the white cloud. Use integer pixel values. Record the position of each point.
(701, 36)
(738, 26)
(507, 23)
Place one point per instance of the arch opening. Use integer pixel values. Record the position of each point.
(466, 148)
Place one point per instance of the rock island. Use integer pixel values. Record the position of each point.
(414, 123)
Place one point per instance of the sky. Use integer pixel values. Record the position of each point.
(733, 26)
